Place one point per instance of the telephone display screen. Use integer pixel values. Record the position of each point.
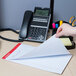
(41, 12)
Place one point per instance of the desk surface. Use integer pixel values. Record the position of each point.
(12, 69)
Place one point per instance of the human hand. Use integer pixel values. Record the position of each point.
(66, 30)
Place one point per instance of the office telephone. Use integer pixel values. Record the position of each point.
(35, 25)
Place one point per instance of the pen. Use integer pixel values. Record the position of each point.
(53, 25)
(56, 25)
(61, 22)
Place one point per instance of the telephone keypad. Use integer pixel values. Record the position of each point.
(36, 33)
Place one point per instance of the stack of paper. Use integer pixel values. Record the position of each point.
(51, 55)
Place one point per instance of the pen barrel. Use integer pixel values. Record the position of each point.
(61, 22)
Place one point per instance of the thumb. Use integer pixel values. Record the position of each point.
(59, 29)
(59, 34)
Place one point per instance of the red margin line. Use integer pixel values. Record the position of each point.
(4, 57)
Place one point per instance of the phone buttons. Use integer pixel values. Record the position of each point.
(41, 37)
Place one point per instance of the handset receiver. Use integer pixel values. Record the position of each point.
(26, 22)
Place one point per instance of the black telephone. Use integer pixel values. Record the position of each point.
(35, 25)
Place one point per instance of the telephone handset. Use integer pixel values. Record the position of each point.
(26, 22)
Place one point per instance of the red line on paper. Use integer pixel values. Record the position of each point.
(4, 57)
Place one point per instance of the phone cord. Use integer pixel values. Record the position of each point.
(9, 29)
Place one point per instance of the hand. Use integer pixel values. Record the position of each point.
(66, 30)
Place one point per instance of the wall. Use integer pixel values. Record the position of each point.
(12, 11)
(64, 9)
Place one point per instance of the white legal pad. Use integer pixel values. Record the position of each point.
(50, 56)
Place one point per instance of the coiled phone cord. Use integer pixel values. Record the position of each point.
(9, 29)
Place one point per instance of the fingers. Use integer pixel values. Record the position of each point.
(59, 34)
(59, 29)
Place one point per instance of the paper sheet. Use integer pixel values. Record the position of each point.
(50, 64)
(52, 47)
